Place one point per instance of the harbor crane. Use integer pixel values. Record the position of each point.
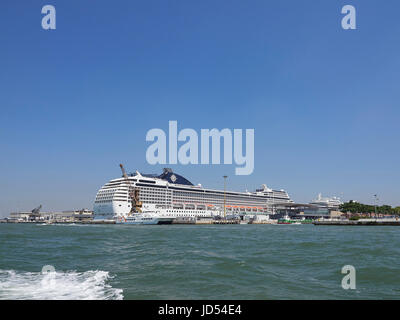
(36, 210)
(136, 205)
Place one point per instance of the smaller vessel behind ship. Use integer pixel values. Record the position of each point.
(286, 220)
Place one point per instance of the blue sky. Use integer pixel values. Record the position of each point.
(77, 101)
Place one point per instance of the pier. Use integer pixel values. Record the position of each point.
(226, 221)
(360, 222)
(59, 222)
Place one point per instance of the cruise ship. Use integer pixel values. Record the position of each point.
(326, 202)
(178, 197)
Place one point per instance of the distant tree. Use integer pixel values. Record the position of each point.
(385, 209)
(355, 207)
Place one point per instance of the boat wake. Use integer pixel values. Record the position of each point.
(71, 285)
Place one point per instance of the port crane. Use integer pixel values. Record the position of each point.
(37, 210)
(136, 205)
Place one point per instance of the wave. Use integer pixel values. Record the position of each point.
(71, 285)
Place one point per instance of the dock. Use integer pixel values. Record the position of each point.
(223, 221)
(191, 220)
(59, 222)
(264, 222)
(360, 222)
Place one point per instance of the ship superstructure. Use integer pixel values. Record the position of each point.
(326, 202)
(172, 191)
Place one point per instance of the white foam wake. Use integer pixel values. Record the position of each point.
(89, 285)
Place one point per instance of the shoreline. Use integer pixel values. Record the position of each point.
(360, 222)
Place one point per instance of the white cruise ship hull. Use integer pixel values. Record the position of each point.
(175, 196)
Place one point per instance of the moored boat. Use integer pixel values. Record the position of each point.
(143, 218)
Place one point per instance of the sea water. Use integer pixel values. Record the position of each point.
(197, 262)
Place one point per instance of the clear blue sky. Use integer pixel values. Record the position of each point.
(78, 100)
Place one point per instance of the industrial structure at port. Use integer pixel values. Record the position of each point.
(36, 215)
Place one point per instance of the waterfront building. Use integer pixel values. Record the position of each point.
(62, 216)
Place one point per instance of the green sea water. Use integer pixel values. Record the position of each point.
(197, 262)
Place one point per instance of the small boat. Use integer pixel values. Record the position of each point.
(286, 220)
(143, 218)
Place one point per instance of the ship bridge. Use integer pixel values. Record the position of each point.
(171, 177)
